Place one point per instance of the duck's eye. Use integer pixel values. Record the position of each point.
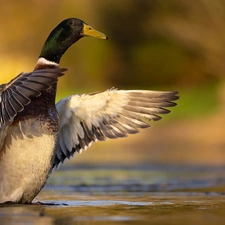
(70, 23)
(89, 28)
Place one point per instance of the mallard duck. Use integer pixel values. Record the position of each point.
(37, 135)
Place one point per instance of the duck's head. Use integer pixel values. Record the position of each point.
(64, 35)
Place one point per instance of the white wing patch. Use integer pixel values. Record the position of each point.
(111, 114)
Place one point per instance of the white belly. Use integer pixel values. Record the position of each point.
(25, 166)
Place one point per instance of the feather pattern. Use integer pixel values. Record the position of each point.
(15, 95)
(111, 114)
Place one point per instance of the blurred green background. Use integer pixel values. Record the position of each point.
(153, 44)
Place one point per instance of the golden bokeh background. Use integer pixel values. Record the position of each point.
(153, 44)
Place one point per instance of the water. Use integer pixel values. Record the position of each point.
(142, 195)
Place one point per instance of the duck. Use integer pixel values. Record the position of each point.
(37, 135)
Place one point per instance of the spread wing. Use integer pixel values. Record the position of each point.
(16, 94)
(111, 114)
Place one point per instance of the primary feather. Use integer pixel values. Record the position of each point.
(16, 94)
(110, 114)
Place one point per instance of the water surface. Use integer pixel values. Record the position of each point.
(122, 196)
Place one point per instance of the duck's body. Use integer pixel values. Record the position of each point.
(36, 135)
(36, 127)
(24, 171)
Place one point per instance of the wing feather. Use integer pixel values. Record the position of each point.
(15, 95)
(111, 114)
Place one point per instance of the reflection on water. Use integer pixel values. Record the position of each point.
(109, 196)
(23, 214)
(162, 208)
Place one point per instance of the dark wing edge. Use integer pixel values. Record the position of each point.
(16, 94)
